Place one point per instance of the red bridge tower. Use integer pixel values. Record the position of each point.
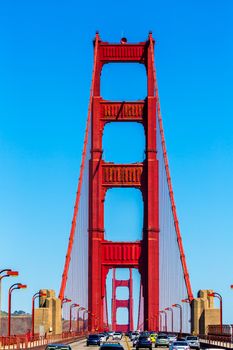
(103, 254)
(128, 303)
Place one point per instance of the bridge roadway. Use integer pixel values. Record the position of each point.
(81, 345)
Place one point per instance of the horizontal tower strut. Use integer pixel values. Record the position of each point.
(118, 175)
(122, 53)
(117, 254)
(122, 111)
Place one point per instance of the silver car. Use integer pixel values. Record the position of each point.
(162, 340)
(193, 342)
(117, 336)
(172, 338)
(179, 345)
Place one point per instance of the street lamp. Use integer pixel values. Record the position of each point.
(78, 323)
(6, 273)
(160, 322)
(13, 287)
(71, 307)
(172, 317)
(179, 307)
(85, 312)
(36, 295)
(217, 295)
(165, 314)
(65, 300)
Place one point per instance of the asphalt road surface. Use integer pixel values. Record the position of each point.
(81, 345)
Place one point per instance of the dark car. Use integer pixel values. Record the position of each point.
(143, 342)
(93, 339)
(58, 346)
(145, 334)
(111, 346)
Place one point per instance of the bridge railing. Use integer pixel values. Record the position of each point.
(24, 341)
(223, 341)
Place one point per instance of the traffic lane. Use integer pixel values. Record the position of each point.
(81, 345)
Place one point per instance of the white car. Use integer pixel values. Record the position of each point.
(133, 335)
(135, 340)
(193, 342)
(103, 337)
(117, 336)
(179, 345)
(172, 338)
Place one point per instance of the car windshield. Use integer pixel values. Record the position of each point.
(143, 338)
(191, 338)
(93, 336)
(180, 343)
(162, 337)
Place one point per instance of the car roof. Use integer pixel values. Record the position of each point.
(108, 345)
(58, 345)
(112, 345)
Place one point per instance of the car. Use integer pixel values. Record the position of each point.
(107, 335)
(145, 334)
(58, 346)
(133, 335)
(111, 346)
(179, 345)
(143, 342)
(93, 339)
(193, 341)
(172, 337)
(162, 340)
(117, 336)
(111, 333)
(135, 340)
(103, 337)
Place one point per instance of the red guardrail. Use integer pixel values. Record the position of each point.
(25, 341)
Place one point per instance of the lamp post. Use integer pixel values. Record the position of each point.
(165, 316)
(185, 301)
(6, 273)
(217, 295)
(179, 307)
(85, 312)
(160, 322)
(71, 307)
(65, 300)
(35, 296)
(172, 317)
(78, 323)
(13, 287)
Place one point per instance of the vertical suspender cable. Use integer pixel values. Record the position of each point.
(176, 223)
(80, 181)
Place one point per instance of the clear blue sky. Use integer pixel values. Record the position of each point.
(45, 72)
